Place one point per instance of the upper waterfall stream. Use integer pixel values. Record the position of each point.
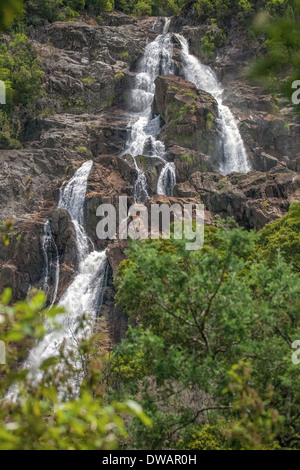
(144, 129)
(235, 155)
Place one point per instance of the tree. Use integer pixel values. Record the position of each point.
(8, 11)
(45, 413)
(194, 315)
(21, 71)
(283, 235)
(279, 67)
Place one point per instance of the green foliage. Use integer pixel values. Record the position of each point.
(6, 228)
(221, 10)
(207, 45)
(142, 9)
(279, 67)
(46, 414)
(119, 76)
(41, 11)
(150, 7)
(210, 119)
(20, 70)
(257, 422)
(283, 235)
(195, 316)
(187, 158)
(9, 9)
(206, 438)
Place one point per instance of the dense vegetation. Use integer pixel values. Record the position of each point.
(21, 71)
(208, 354)
(48, 414)
(209, 351)
(221, 11)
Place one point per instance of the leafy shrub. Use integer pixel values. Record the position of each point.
(20, 69)
(41, 418)
(283, 235)
(41, 11)
(142, 9)
(195, 315)
(8, 10)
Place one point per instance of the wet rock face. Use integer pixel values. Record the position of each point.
(253, 200)
(22, 262)
(65, 239)
(189, 116)
(85, 64)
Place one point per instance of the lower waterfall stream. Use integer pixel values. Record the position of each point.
(83, 297)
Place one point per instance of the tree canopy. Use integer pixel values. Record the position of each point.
(210, 331)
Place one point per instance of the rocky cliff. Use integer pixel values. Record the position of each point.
(89, 69)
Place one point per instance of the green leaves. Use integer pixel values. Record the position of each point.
(46, 414)
(8, 11)
(6, 296)
(283, 235)
(22, 74)
(196, 315)
(280, 66)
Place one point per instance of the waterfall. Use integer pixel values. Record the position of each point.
(235, 155)
(167, 180)
(144, 129)
(83, 297)
(49, 249)
(167, 25)
(72, 199)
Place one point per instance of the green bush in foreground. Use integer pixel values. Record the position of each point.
(42, 418)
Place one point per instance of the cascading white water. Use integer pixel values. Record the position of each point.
(144, 129)
(51, 258)
(235, 155)
(167, 180)
(72, 199)
(83, 297)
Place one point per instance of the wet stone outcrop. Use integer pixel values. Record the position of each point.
(253, 200)
(189, 117)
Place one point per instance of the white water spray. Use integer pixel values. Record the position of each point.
(51, 259)
(235, 155)
(167, 180)
(72, 199)
(144, 130)
(83, 297)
